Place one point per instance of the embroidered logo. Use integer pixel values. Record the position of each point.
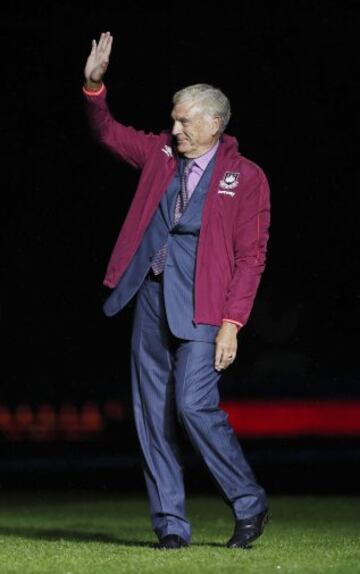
(230, 180)
(226, 192)
(167, 150)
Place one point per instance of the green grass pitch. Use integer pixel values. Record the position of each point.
(86, 533)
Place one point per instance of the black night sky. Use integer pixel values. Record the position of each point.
(291, 76)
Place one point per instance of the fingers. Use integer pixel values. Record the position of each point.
(218, 357)
(105, 43)
(224, 356)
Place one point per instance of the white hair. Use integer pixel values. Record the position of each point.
(213, 101)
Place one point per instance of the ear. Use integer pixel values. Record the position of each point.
(216, 125)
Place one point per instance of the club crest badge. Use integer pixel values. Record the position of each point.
(230, 180)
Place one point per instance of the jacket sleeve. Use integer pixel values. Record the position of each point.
(131, 145)
(250, 241)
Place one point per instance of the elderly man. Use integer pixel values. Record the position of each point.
(192, 250)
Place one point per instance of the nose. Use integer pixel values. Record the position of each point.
(177, 128)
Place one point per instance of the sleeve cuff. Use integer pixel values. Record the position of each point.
(94, 92)
(237, 323)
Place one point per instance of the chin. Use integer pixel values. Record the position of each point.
(183, 147)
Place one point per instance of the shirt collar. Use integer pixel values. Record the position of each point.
(203, 160)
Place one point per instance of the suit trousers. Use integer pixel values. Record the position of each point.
(175, 380)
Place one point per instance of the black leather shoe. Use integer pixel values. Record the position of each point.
(248, 529)
(171, 542)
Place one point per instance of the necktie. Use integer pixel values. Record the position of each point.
(183, 196)
(182, 199)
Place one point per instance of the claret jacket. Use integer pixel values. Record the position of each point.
(235, 222)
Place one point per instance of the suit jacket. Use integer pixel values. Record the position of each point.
(179, 271)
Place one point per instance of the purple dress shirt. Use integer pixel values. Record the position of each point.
(198, 166)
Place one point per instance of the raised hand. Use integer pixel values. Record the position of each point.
(98, 60)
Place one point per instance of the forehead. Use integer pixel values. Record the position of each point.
(188, 109)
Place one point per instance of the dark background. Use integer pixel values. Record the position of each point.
(290, 72)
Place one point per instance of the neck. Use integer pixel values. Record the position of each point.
(203, 152)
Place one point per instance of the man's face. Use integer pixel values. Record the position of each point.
(194, 130)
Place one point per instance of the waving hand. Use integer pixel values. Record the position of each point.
(98, 60)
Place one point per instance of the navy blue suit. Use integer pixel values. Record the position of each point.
(173, 373)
